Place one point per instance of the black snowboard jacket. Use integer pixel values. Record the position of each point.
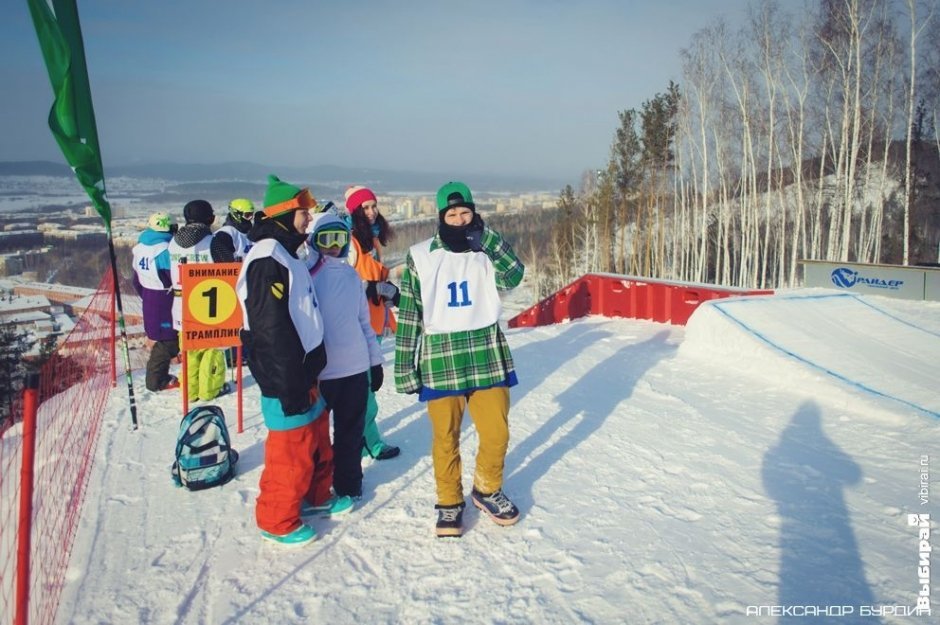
(276, 356)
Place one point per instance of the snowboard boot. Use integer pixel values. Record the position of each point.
(497, 506)
(381, 452)
(450, 521)
(300, 536)
(332, 507)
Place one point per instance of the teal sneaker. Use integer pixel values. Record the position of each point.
(334, 506)
(300, 536)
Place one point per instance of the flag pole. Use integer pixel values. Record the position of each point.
(72, 122)
(128, 375)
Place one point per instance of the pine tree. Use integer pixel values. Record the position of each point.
(627, 163)
(13, 344)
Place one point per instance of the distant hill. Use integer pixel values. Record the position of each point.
(34, 168)
(329, 176)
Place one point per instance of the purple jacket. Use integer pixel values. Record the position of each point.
(152, 282)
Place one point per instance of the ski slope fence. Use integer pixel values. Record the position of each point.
(615, 295)
(37, 533)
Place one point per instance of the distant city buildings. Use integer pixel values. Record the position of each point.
(40, 309)
(39, 214)
(425, 205)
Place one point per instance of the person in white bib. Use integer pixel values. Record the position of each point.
(230, 243)
(450, 350)
(154, 286)
(205, 368)
(283, 330)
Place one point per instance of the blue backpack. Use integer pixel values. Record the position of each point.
(204, 454)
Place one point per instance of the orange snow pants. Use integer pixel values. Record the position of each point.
(298, 466)
(489, 409)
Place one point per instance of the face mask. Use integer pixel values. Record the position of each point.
(454, 237)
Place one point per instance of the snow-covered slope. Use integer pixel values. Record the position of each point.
(665, 475)
(880, 347)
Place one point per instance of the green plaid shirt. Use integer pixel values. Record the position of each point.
(454, 361)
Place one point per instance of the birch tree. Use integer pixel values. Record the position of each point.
(917, 25)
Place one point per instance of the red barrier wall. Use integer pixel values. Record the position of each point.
(612, 295)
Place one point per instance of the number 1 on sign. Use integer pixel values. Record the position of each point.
(212, 295)
(464, 292)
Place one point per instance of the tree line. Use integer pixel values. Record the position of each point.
(796, 136)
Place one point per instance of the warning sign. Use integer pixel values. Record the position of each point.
(212, 316)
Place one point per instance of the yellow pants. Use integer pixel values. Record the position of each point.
(489, 410)
(205, 373)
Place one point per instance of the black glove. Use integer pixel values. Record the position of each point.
(378, 376)
(388, 291)
(293, 405)
(371, 292)
(474, 233)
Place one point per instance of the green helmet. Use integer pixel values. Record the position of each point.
(241, 208)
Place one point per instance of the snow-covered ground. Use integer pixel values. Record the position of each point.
(766, 455)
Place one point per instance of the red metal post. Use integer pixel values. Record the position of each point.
(184, 381)
(238, 381)
(25, 524)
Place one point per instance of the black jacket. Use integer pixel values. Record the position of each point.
(277, 360)
(223, 247)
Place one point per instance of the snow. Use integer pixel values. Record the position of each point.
(766, 455)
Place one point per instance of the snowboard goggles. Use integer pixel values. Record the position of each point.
(331, 238)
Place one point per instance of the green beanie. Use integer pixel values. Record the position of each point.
(281, 197)
(454, 194)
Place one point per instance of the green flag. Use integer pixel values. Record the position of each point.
(72, 118)
(72, 121)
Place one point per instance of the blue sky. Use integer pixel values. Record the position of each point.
(513, 87)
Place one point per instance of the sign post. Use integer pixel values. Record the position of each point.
(212, 315)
